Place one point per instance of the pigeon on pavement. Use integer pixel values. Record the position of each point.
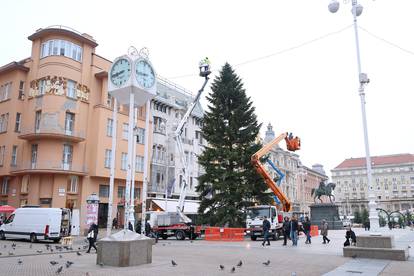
(78, 253)
(101, 264)
(53, 262)
(60, 256)
(240, 264)
(233, 269)
(68, 264)
(267, 263)
(39, 251)
(59, 270)
(221, 267)
(173, 263)
(19, 261)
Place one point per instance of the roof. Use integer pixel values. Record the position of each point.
(14, 66)
(377, 161)
(63, 30)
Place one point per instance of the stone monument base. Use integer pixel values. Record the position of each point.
(125, 248)
(376, 247)
(327, 211)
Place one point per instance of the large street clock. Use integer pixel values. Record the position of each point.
(132, 74)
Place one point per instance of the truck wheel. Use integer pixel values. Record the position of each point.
(2, 236)
(180, 235)
(253, 238)
(276, 236)
(164, 237)
(194, 236)
(33, 238)
(56, 240)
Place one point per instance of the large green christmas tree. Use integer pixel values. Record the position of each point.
(230, 183)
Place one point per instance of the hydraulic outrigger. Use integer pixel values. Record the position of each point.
(292, 144)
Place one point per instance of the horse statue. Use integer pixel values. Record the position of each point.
(324, 189)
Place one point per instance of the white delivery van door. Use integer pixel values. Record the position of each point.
(75, 222)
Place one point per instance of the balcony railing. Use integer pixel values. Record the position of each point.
(187, 141)
(52, 132)
(49, 167)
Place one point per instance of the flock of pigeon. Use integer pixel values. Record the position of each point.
(49, 248)
(233, 269)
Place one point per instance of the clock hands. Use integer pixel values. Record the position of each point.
(117, 74)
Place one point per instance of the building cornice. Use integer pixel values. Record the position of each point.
(61, 30)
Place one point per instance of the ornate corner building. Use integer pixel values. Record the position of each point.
(56, 127)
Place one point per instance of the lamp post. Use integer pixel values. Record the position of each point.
(363, 81)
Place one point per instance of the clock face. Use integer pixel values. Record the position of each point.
(144, 74)
(120, 72)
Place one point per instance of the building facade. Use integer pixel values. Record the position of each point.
(56, 127)
(299, 180)
(168, 108)
(393, 183)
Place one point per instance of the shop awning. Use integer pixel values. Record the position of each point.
(190, 207)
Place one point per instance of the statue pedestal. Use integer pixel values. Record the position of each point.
(327, 211)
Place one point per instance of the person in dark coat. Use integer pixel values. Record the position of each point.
(350, 235)
(294, 230)
(92, 236)
(286, 230)
(115, 223)
(266, 229)
(147, 229)
(130, 227)
(138, 227)
(324, 231)
(307, 228)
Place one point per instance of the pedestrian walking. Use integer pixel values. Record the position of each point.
(92, 236)
(115, 223)
(286, 230)
(306, 229)
(266, 229)
(324, 231)
(294, 229)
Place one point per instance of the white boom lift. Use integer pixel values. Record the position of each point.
(204, 72)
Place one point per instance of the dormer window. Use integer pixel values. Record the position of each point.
(59, 47)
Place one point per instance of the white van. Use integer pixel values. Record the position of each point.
(37, 224)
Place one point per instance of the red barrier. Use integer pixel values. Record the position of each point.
(224, 234)
(314, 231)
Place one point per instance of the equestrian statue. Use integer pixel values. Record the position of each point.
(324, 189)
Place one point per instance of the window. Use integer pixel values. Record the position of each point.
(38, 117)
(139, 163)
(137, 193)
(109, 100)
(18, 122)
(59, 47)
(124, 161)
(73, 184)
(121, 192)
(14, 156)
(125, 131)
(109, 126)
(199, 137)
(67, 156)
(71, 89)
(108, 154)
(21, 90)
(24, 189)
(2, 151)
(42, 87)
(5, 186)
(159, 125)
(4, 119)
(140, 135)
(104, 190)
(23, 202)
(34, 156)
(69, 123)
(5, 90)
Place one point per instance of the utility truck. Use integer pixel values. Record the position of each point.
(167, 224)
(256, 214)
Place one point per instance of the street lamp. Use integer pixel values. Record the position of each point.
(362, 81)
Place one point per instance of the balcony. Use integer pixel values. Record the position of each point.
(52, 133)
(49, 167)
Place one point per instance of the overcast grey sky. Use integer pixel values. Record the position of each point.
(306, 81)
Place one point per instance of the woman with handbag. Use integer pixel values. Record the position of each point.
(92, 236)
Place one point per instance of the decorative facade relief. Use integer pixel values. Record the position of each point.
(57, 86)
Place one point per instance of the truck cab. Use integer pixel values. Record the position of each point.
(254, 221)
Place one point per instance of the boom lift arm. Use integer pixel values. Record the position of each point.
(204, 72)
(293, 144)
